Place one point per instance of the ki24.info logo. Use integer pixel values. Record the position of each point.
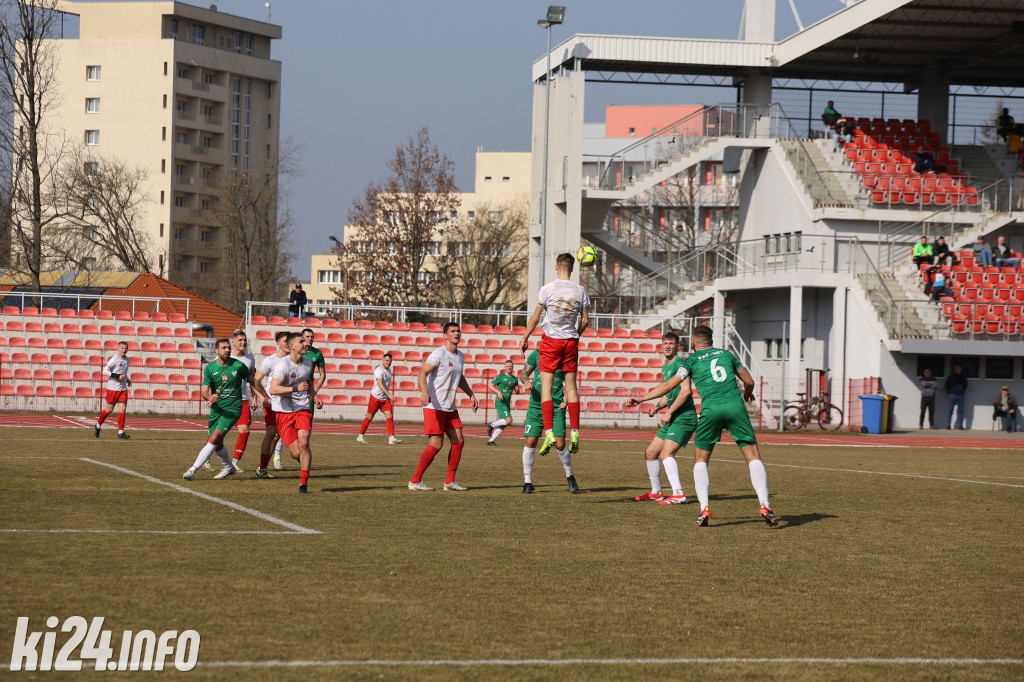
(143, 650)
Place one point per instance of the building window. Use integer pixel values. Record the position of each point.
(455, 215)
(270, 90)
(174, 30)
(165, 68)
(92, 105)
(163, 133)
(632, 131)
(163, 165)
(496, 250)
(432, 248)
(426, 277)
(183, 106)
(506, 178)
(470, 214)
(329, 277)
(208, 78)
(183, 73)
(205, 236)
(92, 137)
(238, 41)
(179, 202)
(89, 263)
(208, 110)
(161, 229)
(999, 368)
(495, 217)
(487, 178)
(179, 170)
(165, 101)
(270, 120)
(91, 168)
(198, 34)
(207, 142)
(181, 138)
(204, 266)
(161, 197)
(461, 248)
(92, 73)
(249, 42)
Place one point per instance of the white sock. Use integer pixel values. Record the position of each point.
(759, 479)
(566, 461)
(654, 473)
(223, 456)
(120, 430)
(672, 471)
(701, 482)
(204, 455)
(528, 464)
(495, 434)
(277, 449)
(499, 422)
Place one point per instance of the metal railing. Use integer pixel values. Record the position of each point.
(75, 301)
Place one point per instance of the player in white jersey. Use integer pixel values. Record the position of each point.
(269, 418)
(440, 378)
(292, 392)
(381, 397)
(240, 352)
(562, 302)
(116, 371)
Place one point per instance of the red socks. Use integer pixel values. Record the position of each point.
(120, 421)
(454, 455)
(303, 477)
(243, 438)
(391, 426)
(366, 425)
(425, 459)
(574, 416)
(547, 410)
(103, 415)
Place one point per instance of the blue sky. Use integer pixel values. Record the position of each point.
(360, 77)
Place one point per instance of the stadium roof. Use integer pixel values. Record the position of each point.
(970, 42)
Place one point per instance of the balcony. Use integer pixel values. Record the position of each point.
(200, 87)
(185, 115)
(186, 182)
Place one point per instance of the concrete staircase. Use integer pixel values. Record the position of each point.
(692, 295)
(625, 253)
(821, 184)
(976, 161)
(849, 181)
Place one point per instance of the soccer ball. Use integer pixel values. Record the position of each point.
(587, 255)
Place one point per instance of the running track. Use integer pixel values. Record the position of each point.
(377, 429)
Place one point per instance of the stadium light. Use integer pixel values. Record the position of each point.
(556, 15)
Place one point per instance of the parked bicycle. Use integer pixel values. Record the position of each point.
(799, 414)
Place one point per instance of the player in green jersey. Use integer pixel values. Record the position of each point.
(222, 389)
(673, 435)
(714, 372)
(315, 356)
(534, 425)
(503, 386)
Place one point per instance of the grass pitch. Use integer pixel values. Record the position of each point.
(862, 565)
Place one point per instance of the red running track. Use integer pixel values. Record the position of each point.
(377, 429)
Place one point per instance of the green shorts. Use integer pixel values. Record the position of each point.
(732, 417)
(222, 421)
(502, 408)
(534, 425)
(680, 428)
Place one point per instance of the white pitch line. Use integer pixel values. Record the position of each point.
(501, 662)
(881, 473)
(152, 532)
(204, 496)
(69, 421)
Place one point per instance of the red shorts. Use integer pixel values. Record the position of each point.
(374, 404)
(246, 418)
(270, 417)
(436, 422)
(116, 397)
(290, 423)
(560, 354)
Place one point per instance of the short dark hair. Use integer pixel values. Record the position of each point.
(238, 332)
(292, 336)
(122, 343)
(220, 341)
(447, 326)
(670, 336)
(703, 333)
(566, 259)
(283, 334)
(386, 355)
(307, 330)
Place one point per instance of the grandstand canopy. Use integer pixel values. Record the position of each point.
(964, 42)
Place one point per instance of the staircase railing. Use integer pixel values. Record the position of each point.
(889, 310)
(642, 234)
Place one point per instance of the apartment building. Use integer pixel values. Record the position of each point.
(501, 181)
(191, 95)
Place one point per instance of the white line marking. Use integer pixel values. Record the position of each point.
(880, 473)
(211, 498)
(499, 662)
(153, 532)
(78, 424)
(8, 440)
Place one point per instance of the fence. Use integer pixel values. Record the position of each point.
(855, 389)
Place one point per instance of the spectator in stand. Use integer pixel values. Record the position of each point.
(296, 301)
(939, 288)
(982, 252)
(928, 385)
(1006, 407)
(844, 132)
(923, 161)
(923, 252)
(829, 117)
(1004, 124)
(956, 386)
(942, 253)
(1004, 255)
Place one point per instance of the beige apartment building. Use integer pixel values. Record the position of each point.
(502, 180)
(185, 92)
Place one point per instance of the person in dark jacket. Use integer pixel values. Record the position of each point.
(956, 386)
(296, 301)
(942, 253)
(928, 385)
(1006, 407)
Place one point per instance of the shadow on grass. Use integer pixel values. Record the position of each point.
(356, 489)
(784, 521)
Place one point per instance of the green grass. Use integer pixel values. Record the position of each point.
(861, 565)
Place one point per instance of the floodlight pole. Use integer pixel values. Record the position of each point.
(553, 17)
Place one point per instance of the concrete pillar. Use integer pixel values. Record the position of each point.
(759, 21)
(718, 319)
(757, 97)
(794, 368)
(933, 102)
(837, 348)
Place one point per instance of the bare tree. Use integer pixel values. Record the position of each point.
(396, 225)
(31, 144)
(102, 208)
(988, 134)
(256, 224)
(486, 258)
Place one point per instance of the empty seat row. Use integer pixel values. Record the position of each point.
(109, 345)
(71, 313)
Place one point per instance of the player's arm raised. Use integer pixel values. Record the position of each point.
(657, 391)
(464, 385)
(524, 344)
(685, 392)
(426, 369)
(748, 383)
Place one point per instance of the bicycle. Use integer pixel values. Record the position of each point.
(799, 414)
